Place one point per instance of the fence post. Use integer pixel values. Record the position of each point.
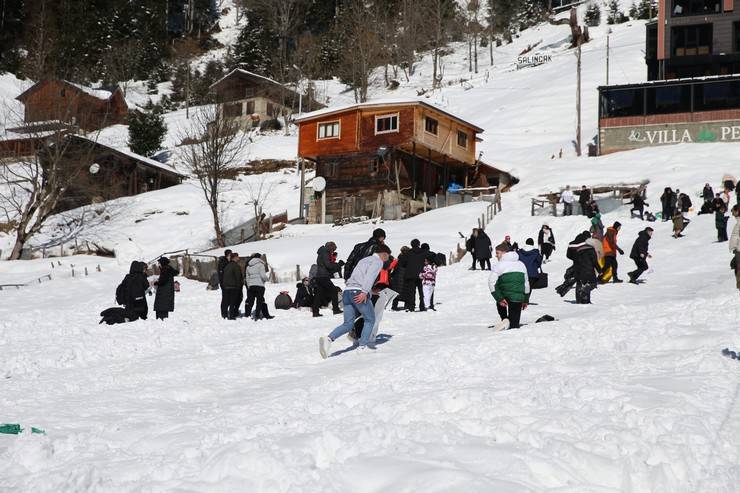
(73, 271)
(85, 271)
(98, 268)
(298, 273)
(61, 250)
(52, 265)
(43, 252)
(479, 226)
(532, 207)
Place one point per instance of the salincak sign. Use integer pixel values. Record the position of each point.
(612, 139)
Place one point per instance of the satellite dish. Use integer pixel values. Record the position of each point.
(319, 184)
(94, 168)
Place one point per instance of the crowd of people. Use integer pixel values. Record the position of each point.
(370, 268)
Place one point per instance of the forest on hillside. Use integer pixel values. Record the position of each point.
(112, 41)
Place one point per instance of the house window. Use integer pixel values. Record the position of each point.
(692, 40)
(622, 102)
(270, 109)
(249, 92)
(668, 99)
(717, 96)
(250, 107)
(682, 8)
(328, 130)
(233, 110)
(736, 25)
(431, 125)
(386, 124)
(374, 166)
(331, 169)
(462, 139)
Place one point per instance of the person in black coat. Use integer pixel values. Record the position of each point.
(667, 203)
(164, 300)
(470, 247)
(325, 270)
(584, 199)
(639, 254)
(708, 194)
(136, 286)
(222, 263)
(362, 250)
(546, 241)
(586, 271)
(483, 249)
(638, 206)
(532, 260)
(412, 263)
(397, 279)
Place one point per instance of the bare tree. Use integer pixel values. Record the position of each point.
(258, 195)
(33, 184)
(363, 49)
(121, 62)
(39, 63)
(217, 147)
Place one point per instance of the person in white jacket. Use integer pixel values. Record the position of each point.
(255, 277)
(567, 198)
(734, 244)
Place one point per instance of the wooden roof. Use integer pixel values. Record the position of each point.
(103, 94)
(384, 104)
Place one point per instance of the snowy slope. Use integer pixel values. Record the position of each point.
(627, 394)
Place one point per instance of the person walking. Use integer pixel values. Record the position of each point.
(686, 203)
(665, 202)
(546, 242)
(135, 286)
(223, 261)
(164, 300)
(362, 250)
(734, 244)
(720, 222)
(638, 204)
(679, 224)
(255, 277)
(428, 278)
(483, 250)
(586, 269)
(532, 260)
(412, 263)
(326, 267)
(233, 280)
(470, 247)
(640, 254)
(509, 286)
(397, 280)
(584, 199)
(356, 299)
(567, 198)
(610, 251)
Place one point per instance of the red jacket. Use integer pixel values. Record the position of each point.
(610, 242)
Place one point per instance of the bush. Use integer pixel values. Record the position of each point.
(146, 131)
(592, 18)
(268, 125)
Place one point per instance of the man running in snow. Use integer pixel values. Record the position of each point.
(509, 286)
(356, 299)
(610, 251)
(640, 254)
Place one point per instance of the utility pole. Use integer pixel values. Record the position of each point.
(578, 98)
(187, 93)
(608, 32)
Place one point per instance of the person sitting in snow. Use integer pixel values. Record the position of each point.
(509, 286)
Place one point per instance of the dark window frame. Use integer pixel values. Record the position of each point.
(393, 123)
(462, 136)
(664, 100)
(431, 125)
(689, 40)
(332, 124)
(696, 7)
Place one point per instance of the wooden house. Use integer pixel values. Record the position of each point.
(64, 101)
(411, 147)
(253, 98)
(104, 173)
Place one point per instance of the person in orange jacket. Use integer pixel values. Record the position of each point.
(610, 251)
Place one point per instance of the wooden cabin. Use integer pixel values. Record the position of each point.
(410, 147)
(253, 98)
(64, 101)
(104, 173)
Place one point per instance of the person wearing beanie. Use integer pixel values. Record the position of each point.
(610, 252)
(640, 254)
(532, 260)
(164, 300)
(482, 249)
(509, 286)
(326, 267)
(362, 250)
(412, 264)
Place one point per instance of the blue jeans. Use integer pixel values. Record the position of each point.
(352, 310)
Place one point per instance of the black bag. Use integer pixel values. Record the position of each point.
(545, 318)
(114, 315)
(283, 301)
(540, 282)
(733, 263)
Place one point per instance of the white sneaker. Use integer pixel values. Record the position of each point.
(324, 346)
(501, 326)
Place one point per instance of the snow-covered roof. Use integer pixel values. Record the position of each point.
(138, 157)
(247, 73)
(102, 94)
(382, 103)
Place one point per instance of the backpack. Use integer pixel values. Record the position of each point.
(359, 252)
(113, 316)
(121, 292)
(283, 301)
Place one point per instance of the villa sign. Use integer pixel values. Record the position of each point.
(622, 138)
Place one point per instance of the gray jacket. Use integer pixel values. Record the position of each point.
(256, 273)
(365, 273)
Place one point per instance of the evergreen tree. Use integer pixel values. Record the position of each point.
(146, 131)
(592, 17)
(255, 47)
(11, 28)
(645, 8)
(633, 11)
(615, 15)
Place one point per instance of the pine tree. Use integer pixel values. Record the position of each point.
(615, 15)
(633, 11)
(146, 131)
(645, 8)
(592, 17)
(255, 47)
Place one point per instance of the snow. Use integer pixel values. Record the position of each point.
(627, 394)
(103, 94)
